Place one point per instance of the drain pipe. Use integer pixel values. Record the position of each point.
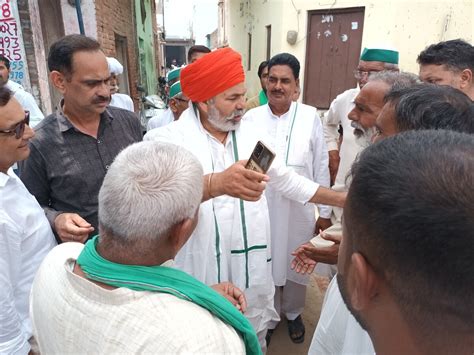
(79, 17)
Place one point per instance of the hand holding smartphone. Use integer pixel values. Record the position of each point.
(261, 158)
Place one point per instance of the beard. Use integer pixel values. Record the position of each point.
(345, 296)
(363, 135)
(224, 124)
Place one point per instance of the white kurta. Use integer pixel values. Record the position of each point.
(298, 139)
(162, 120)
(122, 101)
(338, 332)
(25, 239)
(337, 115)
(72, 315)
(231, 242)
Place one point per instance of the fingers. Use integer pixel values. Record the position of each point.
(302, 264)
(336, 238)
(72, 228)
(233, 294)
(79, 221)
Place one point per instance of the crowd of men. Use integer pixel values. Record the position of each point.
(168, 243)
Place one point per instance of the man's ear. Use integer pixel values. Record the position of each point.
(365, 283)
(203, 106)
(173, 107)
(466, 78)
(58, 79)
(180, 233)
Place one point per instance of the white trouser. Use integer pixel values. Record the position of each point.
(260, 311)
(289, 301)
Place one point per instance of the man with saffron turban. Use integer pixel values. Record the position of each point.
(232, 239)
(119, 293)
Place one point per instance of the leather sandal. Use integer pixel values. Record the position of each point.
(296, 330)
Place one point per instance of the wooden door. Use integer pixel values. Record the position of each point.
(333, 49)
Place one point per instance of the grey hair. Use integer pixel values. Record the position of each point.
(391, 66)
(398, 79)
(149, 188)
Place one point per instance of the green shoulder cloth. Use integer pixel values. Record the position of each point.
(166, 280)
(262, 98)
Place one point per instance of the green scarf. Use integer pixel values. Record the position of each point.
(262, 98)
(166, 280)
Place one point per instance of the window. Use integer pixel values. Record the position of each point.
(269, 40)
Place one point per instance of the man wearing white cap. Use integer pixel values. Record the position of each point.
(118, 100)
(372, 60)
(178, 103)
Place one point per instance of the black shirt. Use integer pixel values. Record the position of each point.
(66, 167)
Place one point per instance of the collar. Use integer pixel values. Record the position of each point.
(290, 109)
(64, 123)
(5, 177)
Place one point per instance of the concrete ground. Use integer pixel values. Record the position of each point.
(281, 343)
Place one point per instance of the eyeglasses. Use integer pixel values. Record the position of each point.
(19, 129)
(359, 74)
(181, 100)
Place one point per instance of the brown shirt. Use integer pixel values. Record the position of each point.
(66, 167)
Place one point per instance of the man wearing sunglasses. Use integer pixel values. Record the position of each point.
(74, 147)
(25, 234)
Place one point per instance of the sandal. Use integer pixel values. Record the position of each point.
(296, 330)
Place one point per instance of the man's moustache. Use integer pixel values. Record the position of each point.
(101, 99)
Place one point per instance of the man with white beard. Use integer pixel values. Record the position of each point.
(337, 331)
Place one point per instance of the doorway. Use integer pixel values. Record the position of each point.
(333, 49)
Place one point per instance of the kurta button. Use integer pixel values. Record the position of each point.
(107, 167)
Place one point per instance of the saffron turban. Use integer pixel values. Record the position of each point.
(212, 74)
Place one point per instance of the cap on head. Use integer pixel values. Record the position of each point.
(114, 66)
(212, 74)
(380, 55)
(175, 89)
(173, 74)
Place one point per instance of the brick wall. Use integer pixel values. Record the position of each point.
(118, 17)
(23, 11)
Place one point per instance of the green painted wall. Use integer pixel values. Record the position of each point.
(146, 48)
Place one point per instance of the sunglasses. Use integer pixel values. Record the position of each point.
(19, 129)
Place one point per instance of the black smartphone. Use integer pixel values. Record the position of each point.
(261, 158)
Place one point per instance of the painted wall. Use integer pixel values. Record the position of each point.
(409, 26)
(146, 45)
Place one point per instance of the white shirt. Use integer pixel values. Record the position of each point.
(27, 101)
(229, 255)
(122, 101)
(25, 239)
(337, 114)
(338, 332)
(162, 120)
(72, 315)
(298, 139)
